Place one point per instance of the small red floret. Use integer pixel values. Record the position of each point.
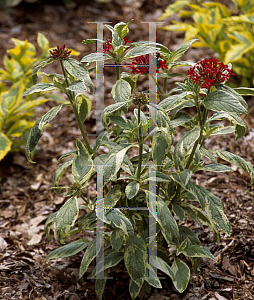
(209, 72)
(140, 64)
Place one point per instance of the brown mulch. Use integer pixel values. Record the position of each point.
(26, 199)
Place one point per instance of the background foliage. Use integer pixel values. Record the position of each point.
(227, 30)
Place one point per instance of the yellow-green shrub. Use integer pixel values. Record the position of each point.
(16, 113)
(227, 31)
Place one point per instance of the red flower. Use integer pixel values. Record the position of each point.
(140, 64)
(60, 52)
(209, 72)
(107, 46)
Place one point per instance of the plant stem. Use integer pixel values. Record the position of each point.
(165, 86)
(117, 71)
(72, 100)
(199, 140)
(162, 95)
(140, 142)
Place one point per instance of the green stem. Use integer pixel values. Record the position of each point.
(199, 140)
(117, 71)
(165, 86)
(72, 100)
(140, 142)
(162, 95)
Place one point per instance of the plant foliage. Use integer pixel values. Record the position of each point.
(154, 187)
(227, 30)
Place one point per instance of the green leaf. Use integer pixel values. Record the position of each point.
(91, 252)
(197, 251)
(245, 91)
(160, 145)
(217, 168)
(100, 285)
(109, 110)
(207, 153)
(237, 161)
(95, 57)
(152, 278)
(220, 130)
(240, 127)
(121, 91)
(122, 29)
(178, 211)
(114, 162)
(92, 41)
(135, 258)
(181, 275)
(40, 66)
(5, 145)
(173, 8)
(143, 117)
(160, 264)
(67, 154)
(49, 223)
(117, 237)
(109, 261)
(184, 146)
(65, 218)
(132, 80)
(188, 235)
(113, 196)
(181, 119)
(226, 100)
(208, 201)
(134, 289)
(84, 106)
(87, 221)
(167, 222)
(181, 50)
(191, 213)
(132, 189)
(82, 166)
(79, 72)
(160, 177)
(43, 42)
(173, 101)
(117, 219)
(28, 105)
(138, 51)
(60, 171)
(37, 130)
(77, 86)
(120, 122)
(40, 87)
(68, 250)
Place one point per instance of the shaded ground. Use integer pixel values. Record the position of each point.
(26, 199)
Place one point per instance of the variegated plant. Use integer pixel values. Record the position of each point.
(17, 113)
(127, 179)
(227, 30)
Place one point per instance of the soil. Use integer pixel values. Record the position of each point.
(27, 200)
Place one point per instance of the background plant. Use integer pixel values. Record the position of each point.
(227, 30)
(126, 178)
(17, 113)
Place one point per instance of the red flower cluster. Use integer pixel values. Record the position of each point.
(140, 64)
(107, 46)
(60, 52)
(209, 72)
